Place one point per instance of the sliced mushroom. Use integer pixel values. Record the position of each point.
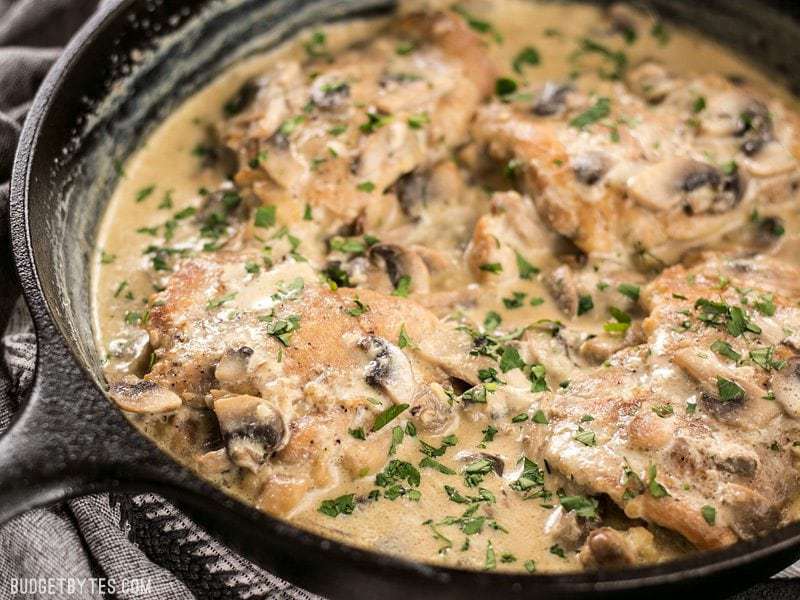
(565, 528)
(129, 352)
(412, 194)
(552, 100)
(786, 387)
(606, 547)
(695, 186)
(232, 369)
(398, 262)
(651, 81)
(252, 429)
(589, 167)
(751, 513)
(136, 395)
(562, 286)
(242, 99)
(755, 126)
(432, 409)
(389, 369)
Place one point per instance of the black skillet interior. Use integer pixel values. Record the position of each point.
(96, 108)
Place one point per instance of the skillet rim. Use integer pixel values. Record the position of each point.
(691, 567)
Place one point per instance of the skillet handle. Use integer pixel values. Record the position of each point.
(68, 439)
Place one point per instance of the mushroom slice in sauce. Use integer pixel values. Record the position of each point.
(399, 262)
(694, 186)
(388, 369)
(252, 429)
(139, 396)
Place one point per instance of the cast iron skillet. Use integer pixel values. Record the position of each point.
(132, 63)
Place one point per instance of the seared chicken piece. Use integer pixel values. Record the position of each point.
(274, 356)
(652, 169)
(694, 429)
(336, 131)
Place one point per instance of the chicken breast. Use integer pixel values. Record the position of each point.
(692, 430)
(653, 166)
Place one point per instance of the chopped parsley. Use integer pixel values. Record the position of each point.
(403, 341)
(366, 186)
(540, 418)
(265, 217)
(729, 391)
(582, 506)
(479, 25)
(357, 433)
(403, 287)
(527, 56)
(358, 309)
(374, 122)
(516, 300)
(585, 304)
(217, 302)
(723, 348)
(526, 269)
(600, 110)
(144, 193)
(492, 267)
(709, 514)
(418, 121)
(656, 489)
(585, 437)
(505, 86)
(432, 463)
(387, 416)
(630, 290)
(343, 505)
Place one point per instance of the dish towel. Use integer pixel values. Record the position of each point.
(107, 545)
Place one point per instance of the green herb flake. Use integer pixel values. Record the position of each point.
(527, 56)
(600, 110)
(709, 514)
(585, 304)
(343, 505)
(526, 269)
(656, 489)
(144, 193)
(366, 186)
(265, 217)
(217, 302)
(388, 415)
(723, 348)
(630, 290)
(492, 268)
(403, 287)
(540, 418)
(430, 463)
(357, 433)
(403, 340)
(582, 506)
(729, 391)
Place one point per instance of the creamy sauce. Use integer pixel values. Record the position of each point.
(165, 177)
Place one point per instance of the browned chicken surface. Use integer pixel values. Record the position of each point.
(415, 289)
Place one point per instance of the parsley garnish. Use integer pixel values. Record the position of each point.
(729, 391)
(343, 505)
(527, 56)
(526, 269)
(600, 110)
(388, 415)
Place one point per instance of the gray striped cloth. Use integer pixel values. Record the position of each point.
(111, 546)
